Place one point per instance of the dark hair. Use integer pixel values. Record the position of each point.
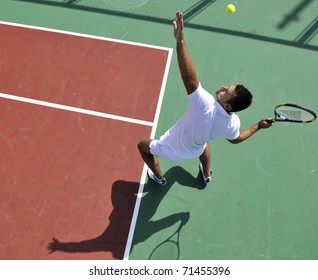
(241, 100)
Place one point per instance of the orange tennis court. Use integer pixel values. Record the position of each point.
(73, 109)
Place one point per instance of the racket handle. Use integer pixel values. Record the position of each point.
(270, 121)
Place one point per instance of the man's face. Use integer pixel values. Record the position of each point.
(224, 94)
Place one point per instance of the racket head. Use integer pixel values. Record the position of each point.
(288, 112)
(167, 250)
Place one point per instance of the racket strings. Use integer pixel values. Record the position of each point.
(296, 114)
(168, 250)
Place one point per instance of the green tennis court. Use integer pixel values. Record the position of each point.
(262, 203)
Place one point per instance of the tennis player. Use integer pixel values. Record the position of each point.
(206, 119)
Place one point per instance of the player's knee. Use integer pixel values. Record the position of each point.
(141, 146)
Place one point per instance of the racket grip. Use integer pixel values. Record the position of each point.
(270, 121)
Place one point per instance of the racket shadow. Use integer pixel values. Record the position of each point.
(146, 226)
(169, 249)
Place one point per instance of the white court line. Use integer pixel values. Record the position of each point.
(85, 35)
(90, 112)
(144, 172)
(75, 109)
(99, 114)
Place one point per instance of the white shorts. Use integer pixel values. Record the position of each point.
(159, 149)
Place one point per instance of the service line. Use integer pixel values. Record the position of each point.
(75, 109)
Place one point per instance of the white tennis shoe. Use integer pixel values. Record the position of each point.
(205, 179)
(152, 176)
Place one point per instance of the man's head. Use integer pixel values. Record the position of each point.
(234, 98)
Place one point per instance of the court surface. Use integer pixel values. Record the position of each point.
(83, 81)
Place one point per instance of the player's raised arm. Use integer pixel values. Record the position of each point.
(188, 74)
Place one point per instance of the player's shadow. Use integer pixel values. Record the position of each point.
(184, 178)
(123, 197)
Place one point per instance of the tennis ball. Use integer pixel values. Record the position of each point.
(230, 8)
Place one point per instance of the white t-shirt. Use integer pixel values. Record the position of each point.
(204, 121)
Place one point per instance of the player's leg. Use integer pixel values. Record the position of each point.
(149, 159)
(205, 161)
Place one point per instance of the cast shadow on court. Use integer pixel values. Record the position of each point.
(301, 42)
(123, 197)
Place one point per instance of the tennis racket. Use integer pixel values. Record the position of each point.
(293, 113)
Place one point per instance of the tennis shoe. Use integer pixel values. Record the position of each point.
(205, 179)
(152, 176)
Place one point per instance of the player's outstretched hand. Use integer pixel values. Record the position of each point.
(265, 123)
(178, 27)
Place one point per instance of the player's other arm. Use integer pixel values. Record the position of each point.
(248, 132)
(186, 67)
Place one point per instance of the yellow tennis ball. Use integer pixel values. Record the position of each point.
(230, 8)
